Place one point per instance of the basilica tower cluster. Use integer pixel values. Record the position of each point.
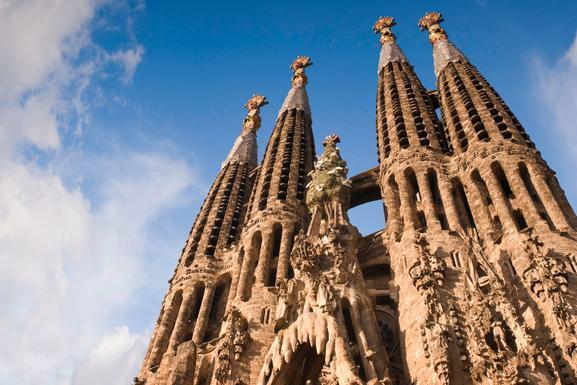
(471, 281)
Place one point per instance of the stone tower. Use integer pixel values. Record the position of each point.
(471, 281)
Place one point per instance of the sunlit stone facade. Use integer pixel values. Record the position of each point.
(471, 281)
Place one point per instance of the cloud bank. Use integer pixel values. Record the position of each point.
(556, 93)
(75, 235)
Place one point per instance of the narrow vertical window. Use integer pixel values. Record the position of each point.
(465, 214)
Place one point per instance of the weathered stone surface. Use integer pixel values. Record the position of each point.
(471, 281)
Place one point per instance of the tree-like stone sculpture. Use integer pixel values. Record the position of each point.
(329, 189)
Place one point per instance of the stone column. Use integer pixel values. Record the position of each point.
(285, 250)
(406, 208)
(449, 203)
(547, 197)
(499, 200)
(427, 202)
(393, 210)
(182, 320)
(203, 315)
(163, 334)
(362, 342)
(264, 257)
(522, 194)
(380, 360)
(244, 274)
(478, 207)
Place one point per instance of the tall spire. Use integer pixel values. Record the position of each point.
(297, 97)
(245, 147)
(405, 115)
(482, 116)
(390, 51)
(443, 51)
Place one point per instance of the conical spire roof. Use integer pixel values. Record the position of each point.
(390, 50)
(297, 97)
(244, 148)
(444, 52)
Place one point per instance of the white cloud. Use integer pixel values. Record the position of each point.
(556, 91)
(113, 360)
(128, 59)
(69, 268)
(77, 227)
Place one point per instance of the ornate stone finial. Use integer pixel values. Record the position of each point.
(244, 148)
(432, 22)
(252, 121)
(298, 67)
(331, 139)
(383, 26)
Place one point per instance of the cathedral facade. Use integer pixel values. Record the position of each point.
(473, 279)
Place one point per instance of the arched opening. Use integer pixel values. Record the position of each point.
(191, 317)
(465, 214)
(519, 218)
(275, 252)
(437, 201)
(483, 191)
(415, 199)
(368, 217)
(217, 309)
(304, 368)
(502, 179)
(536, 200)
(388, 324)
(253, 255)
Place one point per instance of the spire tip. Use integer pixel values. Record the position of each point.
(383, 26)
(252, 121)
(256, 102)
(432, 22)
(298, 67)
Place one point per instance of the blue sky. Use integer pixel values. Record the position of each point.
(115, 116)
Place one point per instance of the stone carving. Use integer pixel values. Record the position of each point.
(547, 279)
(428, 275)
(329, 188)
(383, 26)
(298, 66)
(310, 308)
(457, 323)
(501, 347)
(185, 361)
(432, 22)
(231, 344)
(244, 148)
(252, 121)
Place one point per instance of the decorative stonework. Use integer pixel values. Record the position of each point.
(245, 147)
(297, 96)
(231, 345)
(383, 26)
(471, 282)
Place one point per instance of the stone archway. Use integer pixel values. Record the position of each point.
(306, 365)
(313, 346)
